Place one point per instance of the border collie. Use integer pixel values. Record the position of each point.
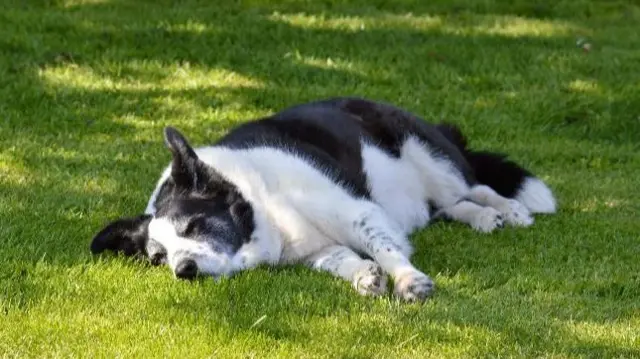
(337, 184)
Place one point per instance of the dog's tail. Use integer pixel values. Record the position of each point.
(504, 176)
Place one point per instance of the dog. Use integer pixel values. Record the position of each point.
(338, 184)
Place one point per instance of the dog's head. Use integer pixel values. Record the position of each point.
(200, 223)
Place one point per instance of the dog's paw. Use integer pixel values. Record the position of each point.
(487, 220)
(413, 286)
(516, 214)
(370, 280)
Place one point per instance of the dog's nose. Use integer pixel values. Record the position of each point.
(187, 269)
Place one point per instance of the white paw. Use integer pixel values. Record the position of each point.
(413, 286)
(487, 220)
(370, 280)
(516, 214)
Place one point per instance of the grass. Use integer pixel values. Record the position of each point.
(87, 86)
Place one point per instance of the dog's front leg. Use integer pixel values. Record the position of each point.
(365, 227)
(366, 276)
(375, 234)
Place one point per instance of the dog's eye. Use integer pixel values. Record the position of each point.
(192, 227)
(158, 258)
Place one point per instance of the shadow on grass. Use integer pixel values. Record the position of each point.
(291, 61)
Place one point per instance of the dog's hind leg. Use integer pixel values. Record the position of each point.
(366, 276)
(514, 212)
(482, 219)
(505, 177)
(509, 180)
(507, 187)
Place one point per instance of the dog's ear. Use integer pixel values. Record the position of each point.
(126, 235)
(187, 170)
(184, 167)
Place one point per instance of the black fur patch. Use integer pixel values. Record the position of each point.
(491, 169)
(453, 134)
(127, 235)
(496, 171)
(389, 126)
(322, 135)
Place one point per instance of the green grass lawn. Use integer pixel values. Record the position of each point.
(86, 88)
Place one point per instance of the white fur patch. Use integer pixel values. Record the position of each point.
(536, 196)
(397, 186)
(163, 231)
(403, 186)
(444, 183)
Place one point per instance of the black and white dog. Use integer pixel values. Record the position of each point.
(337, 184)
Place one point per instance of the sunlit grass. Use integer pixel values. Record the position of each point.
(501, 25)
(87, 86)
(127, 77)
(584, 86)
